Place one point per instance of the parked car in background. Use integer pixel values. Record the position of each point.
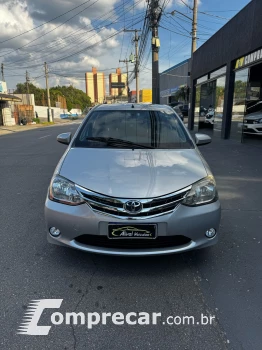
(253, 119)
(210, 116)
(132, 182)
(202, 113)
(253, 123)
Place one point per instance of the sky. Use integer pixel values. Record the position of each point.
(73, 36)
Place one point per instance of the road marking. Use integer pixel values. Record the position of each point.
(42, 137)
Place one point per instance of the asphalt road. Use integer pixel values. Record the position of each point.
(224, 281)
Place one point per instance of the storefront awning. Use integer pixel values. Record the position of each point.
(8, 97)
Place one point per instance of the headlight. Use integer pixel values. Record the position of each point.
(63, 191)
(260, 121)
(202, 192)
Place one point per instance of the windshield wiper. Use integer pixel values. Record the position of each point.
(111, 141)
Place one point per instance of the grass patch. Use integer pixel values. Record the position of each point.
(47, 123)
(36, 120)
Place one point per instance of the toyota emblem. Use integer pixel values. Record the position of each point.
(133, 207)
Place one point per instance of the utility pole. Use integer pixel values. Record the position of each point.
(49, 115)
(194, 24)
(193, 49)
(194, 27)
(137, 67)
(127, 84)
(155, 15)
(27, 79)
(2, 72)
(137, 60)
(192, 88)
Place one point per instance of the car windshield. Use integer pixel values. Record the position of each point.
(146, 129)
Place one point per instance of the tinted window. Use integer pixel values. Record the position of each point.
(161, 129)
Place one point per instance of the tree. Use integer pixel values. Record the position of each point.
(40, 94)
(75, 98)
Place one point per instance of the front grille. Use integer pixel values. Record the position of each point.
(159, 242)
(151, 207)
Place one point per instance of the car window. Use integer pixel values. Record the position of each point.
(159, 129)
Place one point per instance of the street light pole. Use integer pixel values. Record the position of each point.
(194, 24)
(194, 27)
(193, 49)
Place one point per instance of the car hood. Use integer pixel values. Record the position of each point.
(139, 173)
(254, 116)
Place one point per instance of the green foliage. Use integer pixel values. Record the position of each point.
(181, 94)
(75, 98)
(39, 93)
(36, 120)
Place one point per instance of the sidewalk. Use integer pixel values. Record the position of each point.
(4, 130)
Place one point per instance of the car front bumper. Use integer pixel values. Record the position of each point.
(252, 128)
(74, 221)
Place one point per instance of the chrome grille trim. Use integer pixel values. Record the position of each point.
(114, 207)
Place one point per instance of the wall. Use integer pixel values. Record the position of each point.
(240, 36)
(27, 99)
(3, 87)
(146, 95)
(42, 112)
(7, 118)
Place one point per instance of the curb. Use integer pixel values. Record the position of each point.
(7, 131)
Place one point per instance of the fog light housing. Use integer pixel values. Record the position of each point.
(54, 231)
(210, 233)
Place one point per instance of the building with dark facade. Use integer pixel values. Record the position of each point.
(227, 78)
(174, 83)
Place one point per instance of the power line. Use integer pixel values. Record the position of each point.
(180, 25)
(211, 15)
(123, 32)
(51, 29)
(77, 45)
(59, 49)
(223, 11)
(187, 36)
(89, 47)
(51, 20)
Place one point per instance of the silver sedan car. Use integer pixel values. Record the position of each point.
(132, 182)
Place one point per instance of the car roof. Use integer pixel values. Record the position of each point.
(132, 106)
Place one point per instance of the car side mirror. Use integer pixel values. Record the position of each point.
(202, 139)
(64, 138)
